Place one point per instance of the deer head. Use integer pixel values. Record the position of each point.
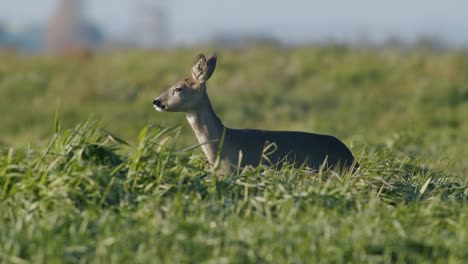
(188, 93)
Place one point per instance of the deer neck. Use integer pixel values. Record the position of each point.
(208, 128)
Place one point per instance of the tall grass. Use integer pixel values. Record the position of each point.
(84, 200)
(130, 189)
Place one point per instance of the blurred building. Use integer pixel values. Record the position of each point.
(3, 35)
(24, 38)
(69, 31)
(152, 23)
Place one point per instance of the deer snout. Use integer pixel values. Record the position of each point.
(157, 102)
(158, 105)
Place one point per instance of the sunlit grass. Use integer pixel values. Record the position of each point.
(130, 189)
(82, 200)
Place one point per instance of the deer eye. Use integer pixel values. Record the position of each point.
(178, 89)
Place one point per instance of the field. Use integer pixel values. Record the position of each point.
(89, 172)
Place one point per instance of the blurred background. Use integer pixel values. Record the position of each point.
(380, 75)
(388, 78)
(53, 25)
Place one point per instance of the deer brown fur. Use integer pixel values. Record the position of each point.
(228, 148)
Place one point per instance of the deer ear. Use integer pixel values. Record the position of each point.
(199, 68)
(211, 65)
(202, 69)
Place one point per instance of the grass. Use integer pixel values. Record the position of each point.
(126, 189)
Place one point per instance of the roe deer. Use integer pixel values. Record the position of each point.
(229, 147)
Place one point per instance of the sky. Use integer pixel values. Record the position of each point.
(290, 21)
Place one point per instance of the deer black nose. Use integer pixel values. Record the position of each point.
(157, 102)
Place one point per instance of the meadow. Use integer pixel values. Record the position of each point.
(91, 173)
